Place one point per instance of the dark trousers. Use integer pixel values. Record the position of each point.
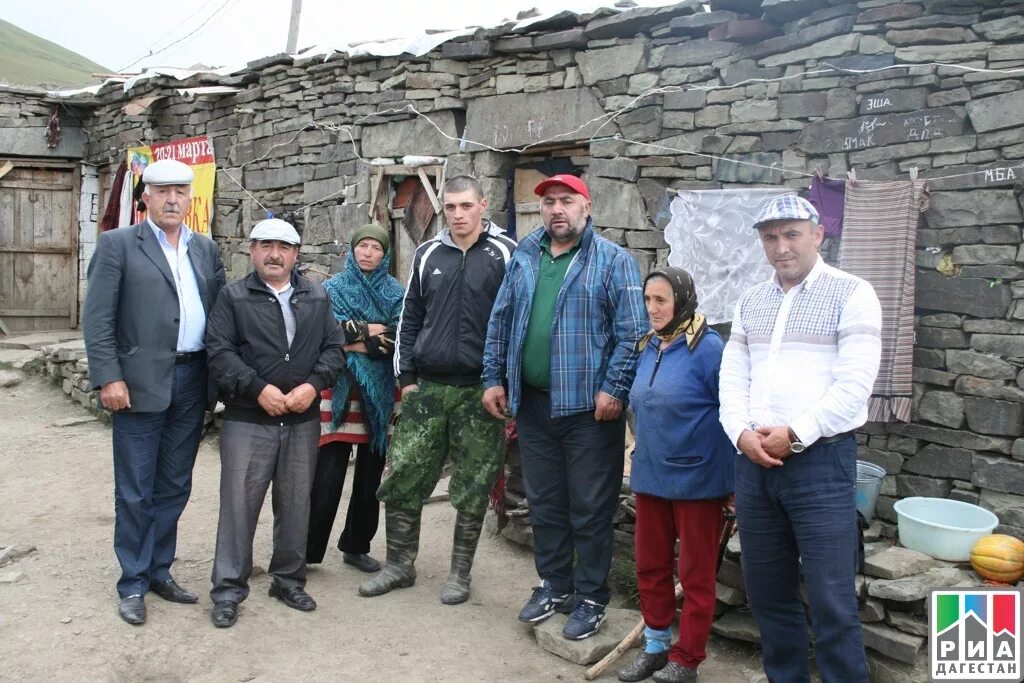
(153, 458)
(363, 508)
(698, 526)
(251, 457)
(572, 469)
(803, 514)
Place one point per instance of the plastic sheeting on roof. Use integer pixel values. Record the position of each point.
(417, 45)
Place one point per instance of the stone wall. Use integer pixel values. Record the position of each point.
(893, 590)
(24, 117)
(88, 218)
(295, 130)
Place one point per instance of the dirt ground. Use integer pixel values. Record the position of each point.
(59, 621)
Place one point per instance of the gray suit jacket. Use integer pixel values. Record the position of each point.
(130, 316)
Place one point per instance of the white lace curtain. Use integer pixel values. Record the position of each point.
(711, 236)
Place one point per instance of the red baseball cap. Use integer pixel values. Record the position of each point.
(570, 181)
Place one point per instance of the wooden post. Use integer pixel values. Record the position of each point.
(293, 27)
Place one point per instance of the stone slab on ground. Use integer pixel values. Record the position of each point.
(733, 597)
(10, 378)
(882, 669)
(18, 358)
(907, 622)
(896, 563)
(11, 577)
(71, 350)
(616, 627)
(891, 642)
(917, 587)
(13, 553)
(37, 340)
(738, 625)
(731, 574)
(872, 611)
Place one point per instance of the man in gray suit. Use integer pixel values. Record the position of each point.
(150, 288)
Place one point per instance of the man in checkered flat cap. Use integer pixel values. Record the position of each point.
(796, 377)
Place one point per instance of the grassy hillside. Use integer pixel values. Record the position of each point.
(28, 60)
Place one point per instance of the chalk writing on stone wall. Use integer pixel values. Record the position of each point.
(998, 175)
(873, 103)
(875, 131)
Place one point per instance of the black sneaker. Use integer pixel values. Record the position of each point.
(542, 604)
(584, 621)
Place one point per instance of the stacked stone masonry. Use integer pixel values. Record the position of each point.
(296, 130)
(879, 86)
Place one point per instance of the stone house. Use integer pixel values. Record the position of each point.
(641, 101)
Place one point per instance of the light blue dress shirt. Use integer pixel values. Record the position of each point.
(191, 314)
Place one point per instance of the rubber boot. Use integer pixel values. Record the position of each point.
(466, 538)
(402, 528)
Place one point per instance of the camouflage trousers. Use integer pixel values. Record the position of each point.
(441, 422)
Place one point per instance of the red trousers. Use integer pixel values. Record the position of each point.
(698, 526)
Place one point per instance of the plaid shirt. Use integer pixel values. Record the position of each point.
(599, 316)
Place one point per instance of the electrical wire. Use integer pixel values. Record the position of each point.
(194, 31)
(607, 118)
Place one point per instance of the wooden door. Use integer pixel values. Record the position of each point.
(527, 205)
(38, 246)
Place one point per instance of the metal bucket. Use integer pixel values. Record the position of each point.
(869, 483)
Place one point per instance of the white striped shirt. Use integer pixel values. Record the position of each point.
(806, 358)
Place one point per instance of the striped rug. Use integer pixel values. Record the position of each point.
(879, 234)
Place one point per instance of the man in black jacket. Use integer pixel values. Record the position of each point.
(438, 359)
(273, 346)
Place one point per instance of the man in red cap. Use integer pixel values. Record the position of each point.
(560, 356)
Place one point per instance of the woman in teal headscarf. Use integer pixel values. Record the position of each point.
(367, 302)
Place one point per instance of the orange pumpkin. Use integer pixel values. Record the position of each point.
(999, 557)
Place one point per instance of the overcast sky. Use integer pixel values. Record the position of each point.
(232, 32)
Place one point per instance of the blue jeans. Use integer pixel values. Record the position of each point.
(572, 470)
(803, 513)
(153, 458)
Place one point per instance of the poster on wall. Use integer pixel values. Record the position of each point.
(197, 153)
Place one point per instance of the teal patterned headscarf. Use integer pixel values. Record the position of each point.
(374, 297)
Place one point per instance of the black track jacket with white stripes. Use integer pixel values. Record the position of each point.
(447, 305)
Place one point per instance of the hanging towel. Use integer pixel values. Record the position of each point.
(828, 195)
(712, 237)
(124, 216)
(112, 213)
(879, 235)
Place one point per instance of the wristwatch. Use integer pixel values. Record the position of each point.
(795, 444)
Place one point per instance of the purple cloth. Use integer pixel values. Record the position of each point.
(828, 195)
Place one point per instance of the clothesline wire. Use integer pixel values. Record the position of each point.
(604, 120)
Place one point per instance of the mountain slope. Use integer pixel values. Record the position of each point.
(28, 60)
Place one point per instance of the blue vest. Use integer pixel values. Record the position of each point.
(682, 452)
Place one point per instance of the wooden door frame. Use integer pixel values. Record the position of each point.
(76, 207)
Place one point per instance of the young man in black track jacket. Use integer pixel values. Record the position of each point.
(438, 358)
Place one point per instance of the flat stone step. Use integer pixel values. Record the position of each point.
(617, 626)
(18, 358)
(37, 340)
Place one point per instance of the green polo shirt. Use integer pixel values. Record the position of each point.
(537, 347)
